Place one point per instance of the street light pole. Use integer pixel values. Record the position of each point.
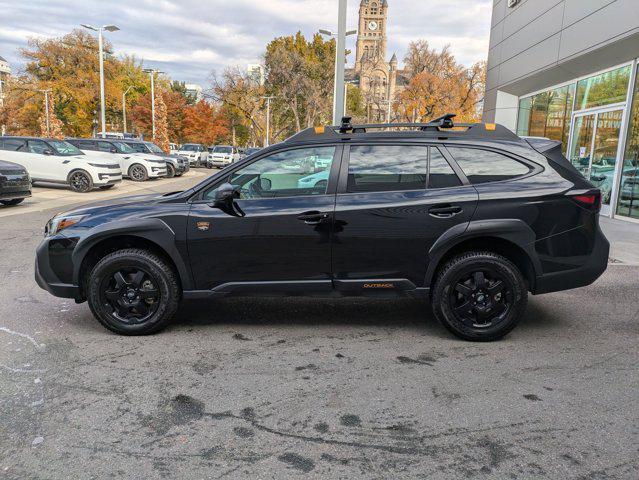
(339, 97)
(268, 120)
(108, 28)
(124, 108)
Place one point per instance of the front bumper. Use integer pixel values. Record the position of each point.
(108, 178)
(156, 172)
(219, 162)
(49, 253)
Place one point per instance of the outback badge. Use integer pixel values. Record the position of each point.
(203, 226)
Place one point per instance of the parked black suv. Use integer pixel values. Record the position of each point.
(471, 216)
(15, 183)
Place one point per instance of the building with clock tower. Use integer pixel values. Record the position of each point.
(378, 78)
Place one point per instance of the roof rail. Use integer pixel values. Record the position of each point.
(441, 126)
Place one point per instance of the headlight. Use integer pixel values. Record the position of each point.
(306, 180)
(59, 223)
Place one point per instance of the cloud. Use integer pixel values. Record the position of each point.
(190, 38)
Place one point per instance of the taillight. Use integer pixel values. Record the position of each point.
(591, 201)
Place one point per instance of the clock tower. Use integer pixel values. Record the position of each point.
(371, 38)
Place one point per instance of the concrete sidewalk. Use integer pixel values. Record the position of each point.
(624, 240)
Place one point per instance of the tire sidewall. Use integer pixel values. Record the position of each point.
(475, 261)
(86, 174)
(167, 288)
(170, 170)
(138, 165)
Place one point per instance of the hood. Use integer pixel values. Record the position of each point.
(10, 166)
(116, 205)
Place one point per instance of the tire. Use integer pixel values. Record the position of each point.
(141, 301)
(170, 170)
(80, 181)
(12, 202)
(138, 173)
(479, 296)
(106, 187)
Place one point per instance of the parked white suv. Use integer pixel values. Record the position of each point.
(136, 166)
(222, 155)
(195, 152)
(57, 161)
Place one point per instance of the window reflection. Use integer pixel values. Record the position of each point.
(628, 204)
(605, 89)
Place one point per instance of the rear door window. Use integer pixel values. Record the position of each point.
(483, 166)
(105, 147)
(86, 145)
(441, 174)
(13, 144)
(39, 147)
(383, 168)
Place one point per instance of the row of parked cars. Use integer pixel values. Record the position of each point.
(81, 163)
(214, 156)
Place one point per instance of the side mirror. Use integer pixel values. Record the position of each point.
(265, 184)
(113, 150)
(225, 199)
(47, 152)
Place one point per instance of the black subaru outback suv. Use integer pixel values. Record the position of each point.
(471, 217)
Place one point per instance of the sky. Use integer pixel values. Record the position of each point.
(188, 39)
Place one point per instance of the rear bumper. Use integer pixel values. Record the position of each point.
(586, 274)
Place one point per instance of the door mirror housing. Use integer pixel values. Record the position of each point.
(265, 184)
(225, 197)
(113, 150)
(48, 151)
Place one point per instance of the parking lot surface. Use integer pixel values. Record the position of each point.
(245, 388)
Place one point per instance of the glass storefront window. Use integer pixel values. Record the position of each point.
(605, 89)
(547, 114)
(628, 204)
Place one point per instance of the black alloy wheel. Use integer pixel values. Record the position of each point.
(170, 170)
(138, 173)
(80, 181)
(479, 296)
(130, 295)
(133, 292)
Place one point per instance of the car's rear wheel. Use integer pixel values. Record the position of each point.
(479, 296)
(138, 173)
(133, 292)
(12, 202)
(80, 181)
(170, 171)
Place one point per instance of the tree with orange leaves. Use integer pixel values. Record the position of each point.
(439, 85)
(204, 124)
(161, 138)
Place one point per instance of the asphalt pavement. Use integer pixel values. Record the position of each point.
(299, 388)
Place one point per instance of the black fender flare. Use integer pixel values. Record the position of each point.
(153, 230)
(513, 230)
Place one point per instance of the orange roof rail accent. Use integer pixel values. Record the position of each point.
(491, 127)
(319, 130)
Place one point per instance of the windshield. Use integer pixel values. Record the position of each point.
(65, 148)
(223, 150)
(154, 148)
(123, 147)
(189, 148)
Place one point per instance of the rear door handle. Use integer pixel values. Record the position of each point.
(444, 211)
(313, 218)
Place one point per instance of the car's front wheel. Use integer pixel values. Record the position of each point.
(80, 181)
(133, 292)
(138, 173)
(170, 170)
(479, 296)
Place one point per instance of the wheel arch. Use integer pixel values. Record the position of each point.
(153, 235)
(511, 238)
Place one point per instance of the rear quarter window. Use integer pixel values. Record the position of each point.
(483, 166)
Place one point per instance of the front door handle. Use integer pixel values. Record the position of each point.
(313, 218)
(444, 211)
